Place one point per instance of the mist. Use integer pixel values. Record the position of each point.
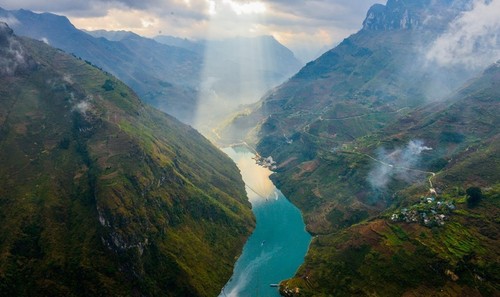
(12, 53)
(471, 40)
(399, 163)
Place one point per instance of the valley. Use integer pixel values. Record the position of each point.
(222, 167)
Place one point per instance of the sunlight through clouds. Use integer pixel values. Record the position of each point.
(306, 20)
(254, 7)
(212, 7)
(117, 19)
(246, 8)
(231, 17)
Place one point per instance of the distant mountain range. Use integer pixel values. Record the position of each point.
(364, 135)
(101, 194)
(166, 73)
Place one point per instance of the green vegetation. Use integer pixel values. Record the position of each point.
(474, 196)
(101, 195)
(345, 120)
(420, 242)
(108, 85)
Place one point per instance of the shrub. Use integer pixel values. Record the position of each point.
(474, 195)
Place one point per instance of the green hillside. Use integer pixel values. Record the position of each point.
(425, 242)
(356, 89)
(101, 195)
(363, 136)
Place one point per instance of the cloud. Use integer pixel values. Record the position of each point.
(9, 19)
(304, 26)
(471, 40)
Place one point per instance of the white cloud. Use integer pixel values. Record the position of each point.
(304, 26)
(472, 40)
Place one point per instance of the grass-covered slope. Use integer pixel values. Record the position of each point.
(101, 195)
(432, 239)
(358, 88)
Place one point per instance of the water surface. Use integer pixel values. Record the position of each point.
(279, 242)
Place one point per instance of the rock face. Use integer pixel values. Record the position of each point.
(411, 15)
(391, 17)
(103, 195)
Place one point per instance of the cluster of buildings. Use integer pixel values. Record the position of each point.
(266, 162)
(429, 212)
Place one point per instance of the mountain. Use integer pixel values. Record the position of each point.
(102, 195)
(236, 72)
(192, 45)
(360, 134)
(169, 76)
(377, 71)
(163, 76)
(427, 241)
(266, 51)
(367, 82)
(111, 35)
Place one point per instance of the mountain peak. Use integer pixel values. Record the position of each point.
(5, 31)
(395, 15)
(410, 15)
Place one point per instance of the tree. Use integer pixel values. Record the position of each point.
(474, 195)
(108, 85)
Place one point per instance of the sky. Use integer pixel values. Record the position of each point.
(307, 27)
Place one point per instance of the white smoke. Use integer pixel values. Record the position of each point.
(12, 56)
(471, 40)
(399, 163)
(82, 107)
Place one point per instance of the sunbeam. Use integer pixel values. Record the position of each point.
(240, 61)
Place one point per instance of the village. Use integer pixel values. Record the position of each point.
(265, 162)
(428, 212)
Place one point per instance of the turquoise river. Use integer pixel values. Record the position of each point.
(279, 242)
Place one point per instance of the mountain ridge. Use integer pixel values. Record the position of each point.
(104, 195)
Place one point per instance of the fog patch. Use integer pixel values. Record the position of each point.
(12, 55)
(399, 163)
(10, 20)
(83, 106)
(67, 78)
(471, 40)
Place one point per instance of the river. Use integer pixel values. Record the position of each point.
(279, 242)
